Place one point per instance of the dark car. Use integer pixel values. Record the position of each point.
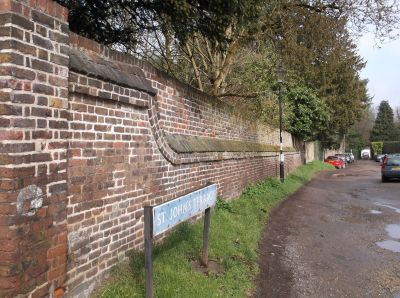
(391, 167)
(379, 157)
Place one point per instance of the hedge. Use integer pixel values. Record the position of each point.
(377, 147)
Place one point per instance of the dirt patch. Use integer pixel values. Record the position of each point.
(214, 268)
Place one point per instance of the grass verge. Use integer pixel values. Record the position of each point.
(235, 230)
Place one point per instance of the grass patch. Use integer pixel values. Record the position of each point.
(235, 230)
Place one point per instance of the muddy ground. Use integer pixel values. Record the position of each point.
(338, 236)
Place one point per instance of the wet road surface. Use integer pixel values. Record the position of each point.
(338, 236)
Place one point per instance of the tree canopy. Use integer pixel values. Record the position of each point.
(384, 128)
(308, 116)
(231, 49)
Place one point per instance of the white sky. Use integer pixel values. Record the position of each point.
(382, 69)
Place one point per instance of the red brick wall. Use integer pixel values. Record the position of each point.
(81, 155)
(120, 161)
(33, 134)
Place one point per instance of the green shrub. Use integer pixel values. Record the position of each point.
(377, 147)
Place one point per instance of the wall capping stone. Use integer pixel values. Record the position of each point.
(109, 71)
(192, 144)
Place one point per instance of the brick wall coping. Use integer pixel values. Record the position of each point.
(92, 66)
(191, 144)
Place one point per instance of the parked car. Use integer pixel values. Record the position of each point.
(343, 157)
(379, 157)
(336, 162)
(351, 156)
(390, 167)
(366, 153)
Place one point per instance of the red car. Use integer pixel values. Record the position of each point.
(336, 162)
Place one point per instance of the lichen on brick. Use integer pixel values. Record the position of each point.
(29, 200)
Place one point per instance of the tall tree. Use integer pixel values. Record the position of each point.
(384, 128)
(319, 52)
(364, 125)
(397, 121)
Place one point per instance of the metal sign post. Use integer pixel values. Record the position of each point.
(207, 215)
(148, 249)
(158, 219)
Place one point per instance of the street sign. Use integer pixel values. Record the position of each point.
(169, 214)
(160, 218)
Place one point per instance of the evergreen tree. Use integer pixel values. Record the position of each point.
(308, 116)
(384, 128)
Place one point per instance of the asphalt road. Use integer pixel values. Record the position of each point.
(338, 236)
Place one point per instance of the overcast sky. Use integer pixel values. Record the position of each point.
(382, 70)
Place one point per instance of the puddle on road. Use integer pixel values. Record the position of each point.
(393, 231)
(391, 245)
(396, 295)
(397, 210)
(375, 211)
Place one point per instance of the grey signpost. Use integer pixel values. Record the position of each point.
(148, 249)
(159, 219)
(204, 259)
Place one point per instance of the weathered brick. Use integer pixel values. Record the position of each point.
(41, 112)
(41, 30)
(5, 122)
(58, 59)
(43, 54)
(19, 73)
(42, 134)
(22, 122)
(43, 19)
(59, 38)
(58, 124)
(56, 188)
(17, 33)
(10, 135)
(5, 96)
(42, 42)
(13, 58)
(43, 89)
(42, 65)
(58, 82)
(5, 5)
(10, 110)
(18, 46)
(22, 22)
(17, 172)
(24, 98)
